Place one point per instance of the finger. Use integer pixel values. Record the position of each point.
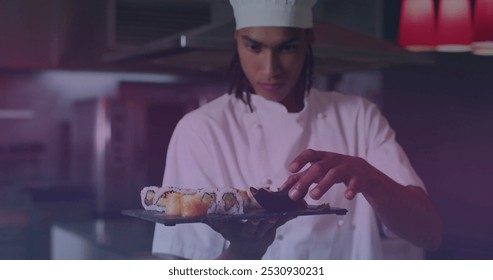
(352, 189)
(312, 175)
(291, 181)
(224, 229)
(303, 158)
(334, 175)
(349, 194)
(214, 225)
(254, 221)
(265, 226)
(250, 228)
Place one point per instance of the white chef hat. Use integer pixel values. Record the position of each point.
(285, 13)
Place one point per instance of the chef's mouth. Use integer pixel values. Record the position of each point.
(271, 86)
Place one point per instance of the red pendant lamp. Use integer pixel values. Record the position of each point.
(483, 28)
(417, 25)
(454, 27)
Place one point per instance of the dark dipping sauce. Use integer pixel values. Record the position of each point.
(277, 201)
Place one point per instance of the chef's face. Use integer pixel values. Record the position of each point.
(272, 59)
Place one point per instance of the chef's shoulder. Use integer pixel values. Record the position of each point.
(334, 100)
(215, 113)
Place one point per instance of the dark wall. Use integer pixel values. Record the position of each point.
(443, 117)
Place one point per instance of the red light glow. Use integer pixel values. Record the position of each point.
(454, 28)
(483, 28)
(417, 25)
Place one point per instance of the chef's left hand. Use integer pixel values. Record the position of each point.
(249, 239)
(327, 169)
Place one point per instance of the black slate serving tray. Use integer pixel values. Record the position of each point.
(161, 218)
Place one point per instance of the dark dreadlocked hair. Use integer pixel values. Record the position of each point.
(239, 83)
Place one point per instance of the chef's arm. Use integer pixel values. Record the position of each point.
(406, 211)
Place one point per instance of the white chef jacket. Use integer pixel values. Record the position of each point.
(223, 144)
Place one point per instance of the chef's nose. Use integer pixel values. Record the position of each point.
(271, 67)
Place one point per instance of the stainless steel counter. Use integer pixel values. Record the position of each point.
(124, 238)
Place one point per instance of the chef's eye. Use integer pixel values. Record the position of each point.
(288, 48)
(254, 47)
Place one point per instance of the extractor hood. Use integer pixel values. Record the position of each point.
(209, 49)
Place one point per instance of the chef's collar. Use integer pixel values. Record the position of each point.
(259, 103)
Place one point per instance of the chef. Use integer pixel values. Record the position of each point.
(273, 129)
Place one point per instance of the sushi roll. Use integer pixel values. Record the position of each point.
(192, 205)
(209, 197)
(147, 195)
(249, 202)
(229, 201)
(173, 204)
(190, 202)
(161, 197)
(184, 202)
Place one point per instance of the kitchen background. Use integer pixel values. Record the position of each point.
(90, 92)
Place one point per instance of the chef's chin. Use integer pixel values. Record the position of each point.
(276, 96)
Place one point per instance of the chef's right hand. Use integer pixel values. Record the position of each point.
(250, 239)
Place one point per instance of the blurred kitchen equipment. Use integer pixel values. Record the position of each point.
(119, 143)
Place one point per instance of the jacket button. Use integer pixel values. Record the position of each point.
(258, 126)
(265, 183)
(320, 115)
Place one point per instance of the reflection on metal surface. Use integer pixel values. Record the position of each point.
(99, 81)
